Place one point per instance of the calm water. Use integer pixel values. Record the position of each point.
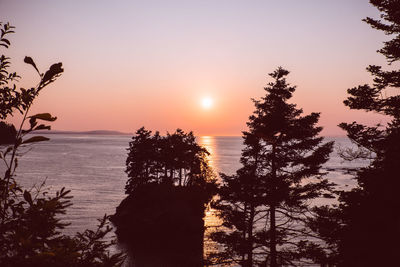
(92, 167)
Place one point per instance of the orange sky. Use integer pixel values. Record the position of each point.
(129, 64)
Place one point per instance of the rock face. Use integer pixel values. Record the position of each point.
(162, 225)
(7, 133)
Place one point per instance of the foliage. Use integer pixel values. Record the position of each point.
(266, 203)
(241, 208)
(32, 236)
(170, 183)
(30, 226)
(9, 95)
(367, 216)
(175, 159)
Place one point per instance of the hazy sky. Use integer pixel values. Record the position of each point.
(134, 63)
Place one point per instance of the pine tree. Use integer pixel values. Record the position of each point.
(240, 207)
(367, 217)
(175, 159)
(160, 222)
(281, 173)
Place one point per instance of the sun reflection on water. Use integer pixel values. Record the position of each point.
(208, 142)
(211, 220)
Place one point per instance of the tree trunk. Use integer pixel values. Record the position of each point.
(272, 245)
(244, 236)
(250, 237)
(171, 176)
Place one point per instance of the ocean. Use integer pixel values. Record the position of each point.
(93, 168)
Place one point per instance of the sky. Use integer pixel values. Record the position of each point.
(150, 63)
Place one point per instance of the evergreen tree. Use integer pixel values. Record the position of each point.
(367, 219)
(240, 206)
(169, 186)
(175, 159)
(142, 159)
(266, 202)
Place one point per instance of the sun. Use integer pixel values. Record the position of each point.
(207, 102)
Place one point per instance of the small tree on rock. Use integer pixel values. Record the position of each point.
(175, 159)
(169, 186)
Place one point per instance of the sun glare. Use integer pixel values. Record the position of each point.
(206, 103)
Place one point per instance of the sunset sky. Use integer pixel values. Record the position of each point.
(190, 64)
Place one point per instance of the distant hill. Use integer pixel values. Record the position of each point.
(95, 132)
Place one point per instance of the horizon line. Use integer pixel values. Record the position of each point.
(116, 132)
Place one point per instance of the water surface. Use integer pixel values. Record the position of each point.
(92, 167)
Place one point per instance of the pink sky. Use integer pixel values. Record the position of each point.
(129, 64)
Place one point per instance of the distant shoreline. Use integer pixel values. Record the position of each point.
(95, 132)
(110, 132)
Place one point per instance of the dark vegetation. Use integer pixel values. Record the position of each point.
(169, 186)
(363, 230)
(174, 159)
(266, 207)
(30, 228)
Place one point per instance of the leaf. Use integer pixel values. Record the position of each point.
(44, 116)
(32, 122)
(6, 41)
(28, 197)
(43, 127)
(54, 71)
(26, 131)
(29, 60)
(35, 139)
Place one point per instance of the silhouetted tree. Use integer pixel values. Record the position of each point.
(366, 222)
(142, 162)
(241, 207)
(30, 227)
(266, 203)
(175, 159)
(170, 183)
